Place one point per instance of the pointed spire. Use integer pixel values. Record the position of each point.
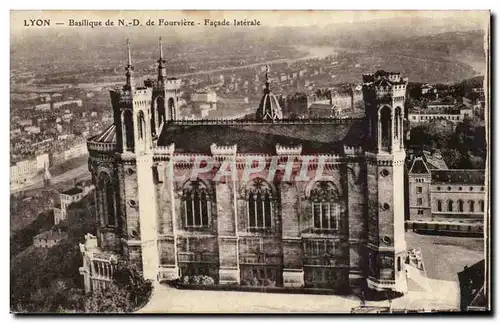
(267, 80)
(129, 68)
(161, 50)
(128, 51)
(162, 73)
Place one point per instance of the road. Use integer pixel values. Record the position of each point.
(437, 288)
(78, 172)
(445, 256)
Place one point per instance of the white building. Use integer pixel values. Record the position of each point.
(76, 151)
(68, 197)
(448, 112)
(48, 239)
(23, 171)
(68, 102)
(42, 161)
(32, 129)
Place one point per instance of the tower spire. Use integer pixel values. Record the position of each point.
(161, 50)
(267, 89)
(129, 68)
(162, 73)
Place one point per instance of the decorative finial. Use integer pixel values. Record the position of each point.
(129, 55)
(129, 68)
(162, 73)
(161, 50)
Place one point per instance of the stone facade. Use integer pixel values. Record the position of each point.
(341, 226)
(446, 195)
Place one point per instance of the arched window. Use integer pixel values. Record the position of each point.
(399, 264)
(326, 206)
(385, 125)
(128, 129)
(140, 124)
(481, 205)
(259, 205)
(471, 206)
(158, 118)
(171, 108)
(439, 206)
(450, 205)
(108, 199)
(460, 205)
(197, 205)
(397, 123)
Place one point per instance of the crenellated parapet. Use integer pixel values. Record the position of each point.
(121, 95)
(104, 147)
(223, 150)
(165, 150)
(236, 122)
(288, 150)
(172, 83)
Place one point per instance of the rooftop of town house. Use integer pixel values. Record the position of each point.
(52, 235)
(458, 176)
(73, 191)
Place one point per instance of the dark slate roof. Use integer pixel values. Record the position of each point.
(383, 82)
(108, 135)
(472, 281)
(255, 137)
(435, 160)
(73, 191)
(419, 167)
(458, 176)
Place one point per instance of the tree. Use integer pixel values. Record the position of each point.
(111, 300)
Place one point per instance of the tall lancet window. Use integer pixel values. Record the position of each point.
(197, 205)
(108, 199)
(326, 206)
(128, 129)
(160, 106)
(141, 124)
(171, 109)
(259, 205)
(385, 126)
(397, 123)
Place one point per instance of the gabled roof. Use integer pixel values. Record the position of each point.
(73, 191)
(435, 160)
(383, 82)
(419, 167)
(472, 286)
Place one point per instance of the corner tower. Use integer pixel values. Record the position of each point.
(134, 161)
(384, 96)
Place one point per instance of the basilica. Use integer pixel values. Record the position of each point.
(341, 230)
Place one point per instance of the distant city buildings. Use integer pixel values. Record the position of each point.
(23, 171)
(451, 112)
(205, 101)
